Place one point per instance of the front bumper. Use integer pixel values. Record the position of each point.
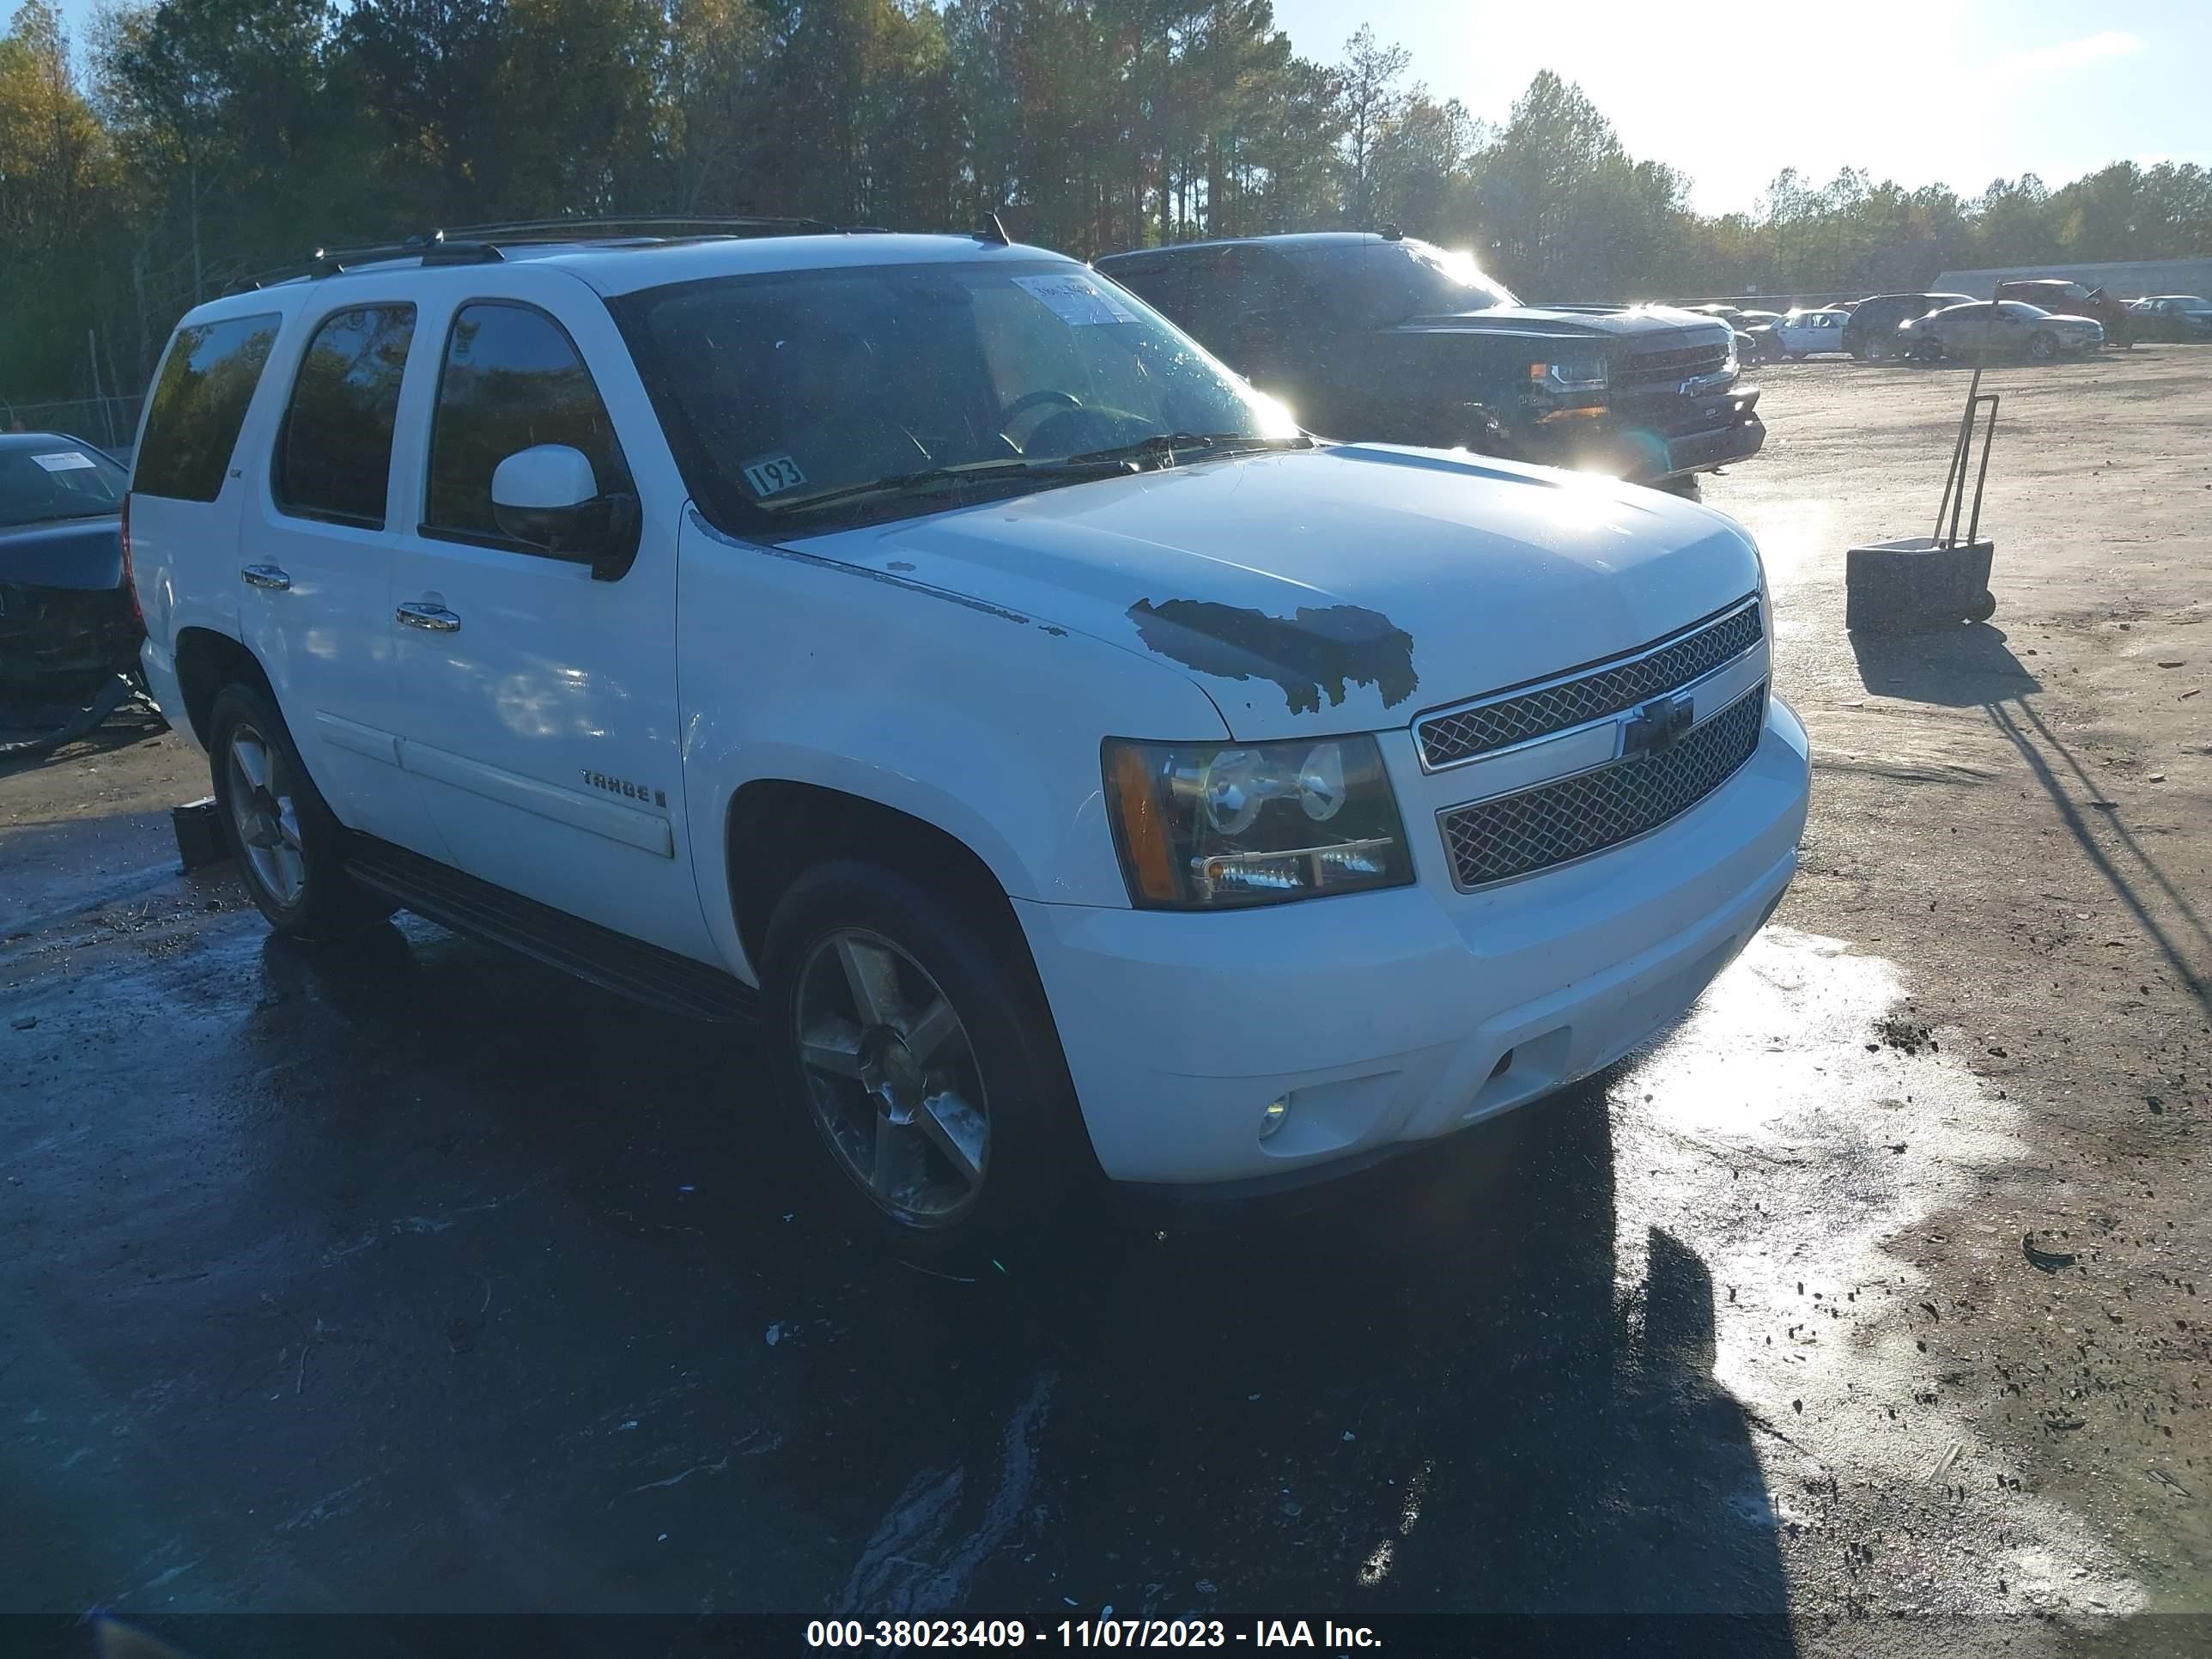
(1386, 1019)
(1651, 442)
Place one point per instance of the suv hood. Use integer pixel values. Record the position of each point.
(1639, 323)
(1338, 589)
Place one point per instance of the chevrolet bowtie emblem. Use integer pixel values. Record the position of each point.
(1657, 727)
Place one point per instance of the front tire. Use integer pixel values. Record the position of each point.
(2042, 347)
(287, 845)
(915, 1055)
(1928, 349)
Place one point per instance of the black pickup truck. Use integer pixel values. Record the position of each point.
(1380, 337)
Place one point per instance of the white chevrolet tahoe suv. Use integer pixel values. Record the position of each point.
(917, 644)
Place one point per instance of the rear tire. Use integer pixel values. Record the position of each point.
(1985, 607)
(916, 1058)
(288, 846)
(1870, 351)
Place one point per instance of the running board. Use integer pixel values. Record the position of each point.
(614, 962)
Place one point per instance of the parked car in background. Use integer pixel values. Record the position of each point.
(1757, 328)
(1984, 329)
(1804, 333)
(67, 622)
(1374, 336)
(916, 644)
(2172, 317)
(1871, 332)
(2061, 297)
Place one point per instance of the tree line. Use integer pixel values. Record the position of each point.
(189, 141)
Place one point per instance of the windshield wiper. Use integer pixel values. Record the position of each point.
(945, 479)
(1162, 446)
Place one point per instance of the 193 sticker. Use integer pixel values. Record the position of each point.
(772, 474)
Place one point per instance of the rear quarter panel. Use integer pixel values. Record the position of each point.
(184, 553)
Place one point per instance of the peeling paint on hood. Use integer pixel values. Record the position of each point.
(1310, 654)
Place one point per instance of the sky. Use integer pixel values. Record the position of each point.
(1956, 92)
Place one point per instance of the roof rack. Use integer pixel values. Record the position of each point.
(481, 244)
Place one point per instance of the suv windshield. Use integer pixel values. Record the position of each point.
(58, 480)
(1375, 284)
(798, 399)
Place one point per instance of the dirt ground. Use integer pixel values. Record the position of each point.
(1871, 1303)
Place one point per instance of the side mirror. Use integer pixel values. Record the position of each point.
(549, 497)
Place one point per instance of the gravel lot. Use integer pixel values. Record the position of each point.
(415, 1278)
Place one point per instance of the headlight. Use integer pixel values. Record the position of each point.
(1571, 373)
(1734, 361)
(1208, 826)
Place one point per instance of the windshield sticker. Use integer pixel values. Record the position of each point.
(68, 461)
(1076, 301)
(772, 473)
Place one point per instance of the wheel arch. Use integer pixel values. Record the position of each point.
(207, 660)
(777, 827)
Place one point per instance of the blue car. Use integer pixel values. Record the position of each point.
(68, 623)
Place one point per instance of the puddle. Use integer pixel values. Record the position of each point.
(1804, 1168)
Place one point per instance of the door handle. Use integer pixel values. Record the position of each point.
(265, 576)
(434, 617)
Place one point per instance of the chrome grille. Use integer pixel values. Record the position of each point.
(1461, 734)
(1652, 367)
(1553, 823)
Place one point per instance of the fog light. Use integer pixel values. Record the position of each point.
(1275, 1117)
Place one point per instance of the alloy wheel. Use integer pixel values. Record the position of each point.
(264, 811)
(891, 1078)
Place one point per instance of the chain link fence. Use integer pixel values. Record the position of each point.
(110, 423)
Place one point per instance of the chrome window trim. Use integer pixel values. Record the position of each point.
(1605, 666)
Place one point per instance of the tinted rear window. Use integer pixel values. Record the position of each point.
(1376, 284)
(199, 402)
(334, 451)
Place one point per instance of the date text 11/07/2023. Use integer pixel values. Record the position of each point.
(1315, 1636)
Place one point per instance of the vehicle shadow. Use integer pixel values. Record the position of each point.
(1425, 1392)
(1963, 665)
(1423, 1389)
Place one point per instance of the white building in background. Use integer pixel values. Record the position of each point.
(2126, 279)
